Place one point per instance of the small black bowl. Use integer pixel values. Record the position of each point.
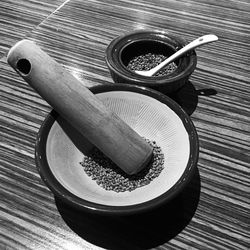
(140, 42)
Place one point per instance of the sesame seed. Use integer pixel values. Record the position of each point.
(149, 61)
(110, 177)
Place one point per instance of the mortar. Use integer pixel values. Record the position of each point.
(60, 148)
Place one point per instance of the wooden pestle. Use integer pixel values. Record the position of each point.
(80, 107)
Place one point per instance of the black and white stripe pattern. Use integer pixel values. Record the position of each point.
(213, 212)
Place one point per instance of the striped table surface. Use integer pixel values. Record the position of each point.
(213, 211)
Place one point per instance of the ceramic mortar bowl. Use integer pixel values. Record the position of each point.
(60, 149)
(124, 48)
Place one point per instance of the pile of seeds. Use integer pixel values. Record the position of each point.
(109, 176)
(149, 61)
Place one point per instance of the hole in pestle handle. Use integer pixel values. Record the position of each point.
(23, 65)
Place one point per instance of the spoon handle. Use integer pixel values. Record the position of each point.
(192, 45)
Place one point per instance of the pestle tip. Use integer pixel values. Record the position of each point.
(17, 45)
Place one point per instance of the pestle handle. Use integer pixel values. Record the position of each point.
(80, 107)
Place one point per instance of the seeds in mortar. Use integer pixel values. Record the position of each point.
(109, 176)
(149, 61)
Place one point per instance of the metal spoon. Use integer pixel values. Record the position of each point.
(194, 44)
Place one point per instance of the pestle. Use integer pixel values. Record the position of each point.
(80, 107)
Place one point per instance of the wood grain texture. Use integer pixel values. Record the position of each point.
(213, 212)
(17, 18)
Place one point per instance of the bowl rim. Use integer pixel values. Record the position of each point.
(118, 44)
(80, 204)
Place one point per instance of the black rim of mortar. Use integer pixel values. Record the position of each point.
(186, 64)
(66, 196)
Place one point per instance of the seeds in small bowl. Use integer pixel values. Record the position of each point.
(148, 61)
(110, 177)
